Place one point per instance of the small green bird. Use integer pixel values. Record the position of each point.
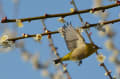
(76, 44)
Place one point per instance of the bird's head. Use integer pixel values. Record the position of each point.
(96, 47)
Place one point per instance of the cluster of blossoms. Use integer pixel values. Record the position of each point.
(19, 23)
(62, 20)
(101, 58)
(5, 43)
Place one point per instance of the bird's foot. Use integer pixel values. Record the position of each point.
(80, 62)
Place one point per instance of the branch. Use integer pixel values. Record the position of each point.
(102, 64)
(5, 20)
(55, 32)
(102, 23)
(53, 48)
(81, 20)
(29, 36)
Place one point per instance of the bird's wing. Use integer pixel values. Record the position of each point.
(72, 37)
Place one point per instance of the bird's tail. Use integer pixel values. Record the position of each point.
(57, 61)
(65, 58)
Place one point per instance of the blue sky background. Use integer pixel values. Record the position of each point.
(13, 67)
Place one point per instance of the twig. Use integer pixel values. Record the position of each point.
(29, 36)
(102, 23)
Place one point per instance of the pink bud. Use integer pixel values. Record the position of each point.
(45, 14)
(4, 19)
(118, 2)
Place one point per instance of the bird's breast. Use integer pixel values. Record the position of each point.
(79, 53)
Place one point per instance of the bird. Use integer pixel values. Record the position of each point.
(75, 42)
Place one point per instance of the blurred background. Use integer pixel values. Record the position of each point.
(30, 59)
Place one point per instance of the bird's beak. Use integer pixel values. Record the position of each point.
(99, 48)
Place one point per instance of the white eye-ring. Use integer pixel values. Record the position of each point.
(94, 47)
